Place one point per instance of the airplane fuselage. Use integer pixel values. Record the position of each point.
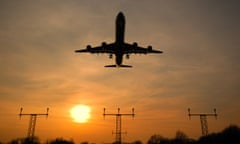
(120, 29)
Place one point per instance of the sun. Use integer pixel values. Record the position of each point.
(80, 113)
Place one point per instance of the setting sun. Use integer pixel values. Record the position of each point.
(80, 113)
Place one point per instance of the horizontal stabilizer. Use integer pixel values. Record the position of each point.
(126, 66)
(110, 66)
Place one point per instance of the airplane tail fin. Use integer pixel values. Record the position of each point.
(124, 66)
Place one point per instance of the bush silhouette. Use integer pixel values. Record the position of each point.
(61, 141)
(230, 135)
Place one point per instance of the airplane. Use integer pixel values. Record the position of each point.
(119, 47)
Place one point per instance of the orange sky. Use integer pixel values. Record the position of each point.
(198, 69)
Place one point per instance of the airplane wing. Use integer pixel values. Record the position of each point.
(134, 48)
(105, 48)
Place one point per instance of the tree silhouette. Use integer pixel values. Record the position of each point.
(181, 138)
(157, 139)
(137, 142)
(230, 135)
(181, 135)
(85, 142)
(27, 140)
(61, 141)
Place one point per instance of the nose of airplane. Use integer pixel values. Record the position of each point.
(120, 14)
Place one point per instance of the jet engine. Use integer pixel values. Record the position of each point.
(110, 56)
(149, 48)
(127, 56)
(135, 45)
(104, 45)
(88, 47)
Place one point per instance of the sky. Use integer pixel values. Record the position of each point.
(199, 68)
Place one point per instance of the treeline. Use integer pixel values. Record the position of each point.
(230, 135)
(35, 140)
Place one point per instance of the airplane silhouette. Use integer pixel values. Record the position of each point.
(119, 47)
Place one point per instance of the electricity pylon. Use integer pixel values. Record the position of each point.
(118, 123)
(203, 120)
(32, 122)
